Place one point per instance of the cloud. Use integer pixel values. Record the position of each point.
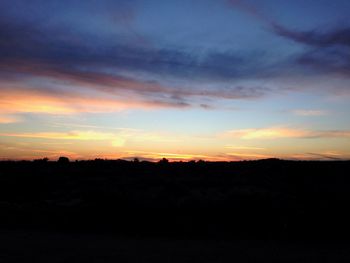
(114, 84)
(243, 147)
(251, 10)
(337, 36)
(117, 138)
(277, 133)
(301, 112)
(72, 135)
(266, 133)
(163, 74)
(326, 155)
(249, 156)
(4, 119)
(57, 83)
(327, 50)
(22, 100)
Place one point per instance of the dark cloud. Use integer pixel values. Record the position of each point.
(326, 51)
(335, 61)
(338, 36)
(69, 51)
(317, 38)
(80, 60)
(325, 156)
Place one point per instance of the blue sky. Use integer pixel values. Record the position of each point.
(216, 80)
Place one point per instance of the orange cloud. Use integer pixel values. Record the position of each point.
(249, 156)
(32, 101)
(9, 119)
(243, 147)
(116, 139)
(110, 84)
(276, 133)
(267, 133)
(324, 155)
(72, 135)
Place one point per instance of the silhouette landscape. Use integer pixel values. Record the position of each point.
(249, 205)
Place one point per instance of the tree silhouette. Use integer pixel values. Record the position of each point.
(164, 161)
(63, 160)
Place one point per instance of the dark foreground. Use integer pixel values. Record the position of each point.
(118, 211)
(44, 247)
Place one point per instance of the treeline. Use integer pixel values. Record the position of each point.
(250, 199)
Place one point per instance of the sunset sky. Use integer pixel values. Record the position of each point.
(185, 79)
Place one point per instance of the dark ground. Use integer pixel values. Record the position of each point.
(43, 247)
(119, 211)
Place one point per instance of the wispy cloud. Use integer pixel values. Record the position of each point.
(123, 92)
(23, 100)
(243, 147)
(4, 118)
(303, 112)
(114, 139)
(338, 36)
(324, 155)
(248, 156)
(72, 135)
(117, 139)
(251, 10)
(327, 51)
(276, 133)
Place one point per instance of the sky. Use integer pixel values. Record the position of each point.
(218, 80)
